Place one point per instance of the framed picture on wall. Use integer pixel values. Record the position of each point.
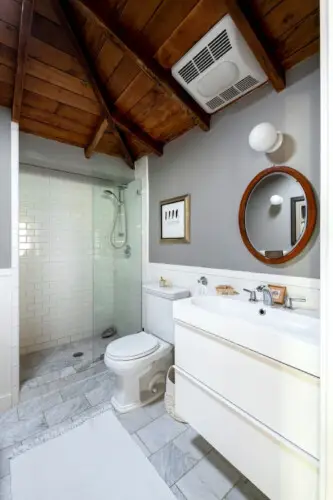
(175, 219)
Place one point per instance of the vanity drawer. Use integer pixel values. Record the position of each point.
(281, 397)
(276, 467)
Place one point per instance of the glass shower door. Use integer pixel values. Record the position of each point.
(117, 263)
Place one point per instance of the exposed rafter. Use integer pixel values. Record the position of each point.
(115, 118)
(271, 67)
(101, 128)
(135, 48)
(27, 11)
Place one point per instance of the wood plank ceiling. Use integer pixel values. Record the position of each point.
(111, 91)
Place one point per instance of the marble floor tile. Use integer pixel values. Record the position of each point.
(55, 359)
(191, 443)
(92, 412)
(15, 432)
(30, 383)
(38, 405)
(245, 490)
(171, 463)
(102, 392)
(5, 488)
(66, 382)
(27, 392)
(211, 479)
(143, 447)
(79, 388)
(41, 437)
(5, 455)
(134, 420)
(66, 410)
(8, 417)
(56, 375)
(160, 432)
(156, 409)
(178, 494)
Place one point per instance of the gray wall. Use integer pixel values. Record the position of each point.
(216, 167)
(5, 188)
(268, 226)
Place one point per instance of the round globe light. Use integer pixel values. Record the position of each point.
(276, 200)
(265, 138)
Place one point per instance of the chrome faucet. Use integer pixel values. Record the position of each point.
(288, 303)
(267, 295)
(203, 281)
(253, 295)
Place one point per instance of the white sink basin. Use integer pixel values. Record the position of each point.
(287, 336)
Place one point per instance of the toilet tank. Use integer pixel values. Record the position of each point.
(158, 303)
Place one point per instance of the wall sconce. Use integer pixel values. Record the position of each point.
(276, 200)
(265, 138)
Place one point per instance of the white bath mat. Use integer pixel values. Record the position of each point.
(96, 461)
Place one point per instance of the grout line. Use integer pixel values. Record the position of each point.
(234, 486)
(171, 441)
(138, 437)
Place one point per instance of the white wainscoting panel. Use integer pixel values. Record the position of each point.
(187, 276)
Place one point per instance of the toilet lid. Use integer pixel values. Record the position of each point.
(133, 346)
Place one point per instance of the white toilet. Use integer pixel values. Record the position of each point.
(140, 361)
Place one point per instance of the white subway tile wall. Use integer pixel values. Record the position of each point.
(66, 260)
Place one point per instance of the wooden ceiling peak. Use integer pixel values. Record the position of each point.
(27, 11)
(64, 11)
(269, 64)
(136, 49)
(60, 100)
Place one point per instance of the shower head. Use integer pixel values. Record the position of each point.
(108, 192)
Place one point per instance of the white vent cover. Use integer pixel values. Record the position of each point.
(219, 68)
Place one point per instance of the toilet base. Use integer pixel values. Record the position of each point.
(140, 382)
(133, 406)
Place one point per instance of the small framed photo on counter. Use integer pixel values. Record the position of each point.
(175, 219)
(278, 293)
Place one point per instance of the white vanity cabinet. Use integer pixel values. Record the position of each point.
(259, 413)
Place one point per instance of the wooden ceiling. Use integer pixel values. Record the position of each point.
(96, 74)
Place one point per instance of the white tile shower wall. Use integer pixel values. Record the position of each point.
(65, 258)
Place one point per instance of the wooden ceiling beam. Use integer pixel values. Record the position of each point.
(136, 49)
(27, 11)
(245, 24)
(115, 118)
(101, 128)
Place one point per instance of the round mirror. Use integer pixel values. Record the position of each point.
(277, 214)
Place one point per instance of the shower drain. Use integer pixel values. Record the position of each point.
(77, 354)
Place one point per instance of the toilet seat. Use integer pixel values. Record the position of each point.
(132, 347)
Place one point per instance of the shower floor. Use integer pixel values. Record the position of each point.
(50, 365)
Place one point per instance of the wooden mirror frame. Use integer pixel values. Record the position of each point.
(311, 214)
